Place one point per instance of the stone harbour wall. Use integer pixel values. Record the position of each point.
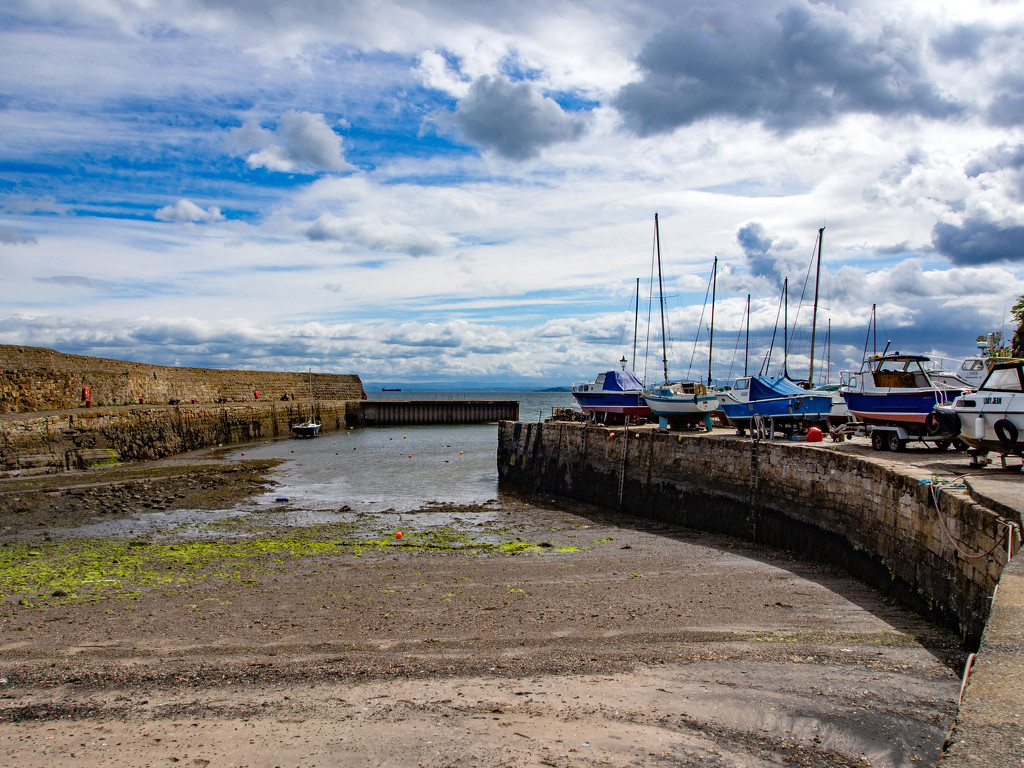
(42, 443)
(34, 379)
(878, 524)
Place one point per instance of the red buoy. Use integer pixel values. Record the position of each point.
(813, 435)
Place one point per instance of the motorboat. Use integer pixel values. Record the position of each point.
(991, 351)
(779, 398)
(612, 396)
(992, 418)
(897, 390)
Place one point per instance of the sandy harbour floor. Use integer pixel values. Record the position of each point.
(551, 635)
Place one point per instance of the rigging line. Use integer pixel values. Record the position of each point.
(838, 275)
(700, 324)
(735, 354)
(803, 295)
(625, 325)
(661, 301)
(867, 337)
(711, 332)
(667, 299)
(650, 294)
(768, 354)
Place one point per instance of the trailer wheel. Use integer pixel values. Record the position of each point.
(893, 442)
(877, 442)
(941, 445)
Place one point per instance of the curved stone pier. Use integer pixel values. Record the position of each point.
(939, 551)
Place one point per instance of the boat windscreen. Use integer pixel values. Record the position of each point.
(1003, 380)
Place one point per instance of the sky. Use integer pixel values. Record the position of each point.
(457, 193)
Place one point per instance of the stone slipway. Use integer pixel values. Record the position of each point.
(923, 526)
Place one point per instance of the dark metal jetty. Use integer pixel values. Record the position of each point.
(403, 412)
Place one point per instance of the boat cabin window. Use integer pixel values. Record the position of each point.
(972, 365)
(1004, 380)
(742, 384)
(899, 374)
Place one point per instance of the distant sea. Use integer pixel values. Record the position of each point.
(394, 469)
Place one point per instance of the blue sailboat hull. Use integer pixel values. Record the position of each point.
(780, 399)
(794, 408)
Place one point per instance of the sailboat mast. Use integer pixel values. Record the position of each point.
(785, 328)
(874, 326)
(661, 301)
(746, 343)
(814, 316)
(636, 318)
(711, 339)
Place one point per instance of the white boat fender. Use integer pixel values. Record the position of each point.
(979, 427)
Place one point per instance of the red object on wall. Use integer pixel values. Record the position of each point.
(85, 393)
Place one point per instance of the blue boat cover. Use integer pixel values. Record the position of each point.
(622, 381)
(764, 388)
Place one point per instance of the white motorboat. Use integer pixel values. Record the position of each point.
(974, 369)
(992, 418)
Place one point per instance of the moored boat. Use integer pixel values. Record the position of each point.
(612, 396)
(682, 403)
(896, 390)
(992, 418)
(306, 429)
(778, 398)
(991, 351)
(310, 427)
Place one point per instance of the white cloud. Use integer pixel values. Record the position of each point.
(513, 119)
(301, 141)
(528, 248)
(186, 210)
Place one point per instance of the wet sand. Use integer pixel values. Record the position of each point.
(607, 642)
